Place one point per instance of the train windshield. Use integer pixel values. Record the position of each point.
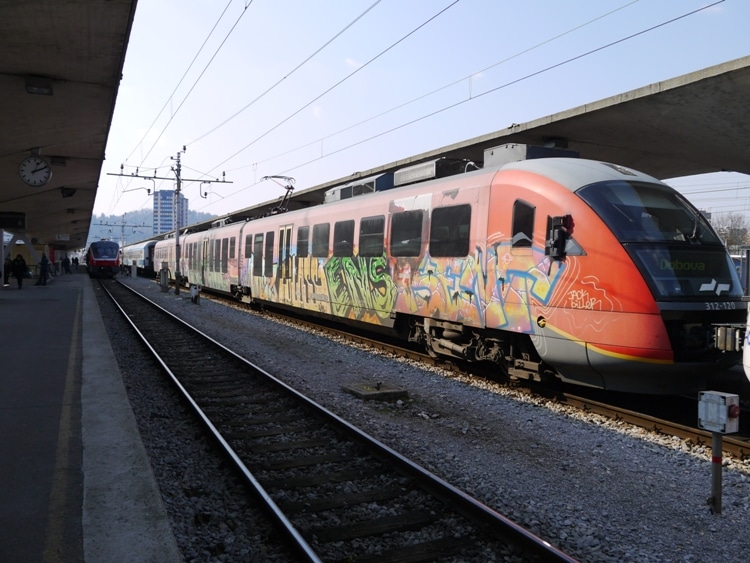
(670, 241)
(105, 250)
(640, 212)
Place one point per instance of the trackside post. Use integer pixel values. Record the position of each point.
(164, 277)
(719, 413)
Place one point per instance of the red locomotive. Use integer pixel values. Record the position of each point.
(103, 259)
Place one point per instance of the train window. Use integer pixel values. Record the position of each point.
(406, 233)
(258, 255)
(217, 256)
(371, 231)
(641, 212)
(343, 238)
(248, 246)
(303, 242)
(285, 243)
(449, 231)
(224, 255)
(232, 247)
(268, 256)
(523, 224)
(321, 234)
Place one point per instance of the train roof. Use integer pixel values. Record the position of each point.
(140, 245)
(573, 173)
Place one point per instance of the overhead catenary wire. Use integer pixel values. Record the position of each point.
(427, 116)
(474, 97)
(317, 51)
(205, 68)
(337, 84)
(286, 75)
(460, 102)
(247, 4)
(446, 86)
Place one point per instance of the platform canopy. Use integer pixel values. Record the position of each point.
(61, 63)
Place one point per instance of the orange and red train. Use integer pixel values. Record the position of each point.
(103, 259)
(590, 272)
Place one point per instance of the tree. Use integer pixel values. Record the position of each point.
(732, 228)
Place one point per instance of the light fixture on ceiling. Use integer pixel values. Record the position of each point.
(39, 85)
(67, 192)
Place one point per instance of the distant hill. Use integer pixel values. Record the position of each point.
(133, 226)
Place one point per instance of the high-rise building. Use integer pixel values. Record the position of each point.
(164, 218)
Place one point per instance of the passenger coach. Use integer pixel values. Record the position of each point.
(140, 254)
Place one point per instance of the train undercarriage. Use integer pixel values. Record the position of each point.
(513, 353)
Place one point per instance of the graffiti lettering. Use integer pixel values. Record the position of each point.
(357, 285)
(580, 299)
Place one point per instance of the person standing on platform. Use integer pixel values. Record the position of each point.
(7, 268)
(66, 264)
(19, 269)
(43, 266)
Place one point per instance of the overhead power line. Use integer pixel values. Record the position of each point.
(287, 75)
(195, 83)
(337, 84)
(501, 87)
(446, 86)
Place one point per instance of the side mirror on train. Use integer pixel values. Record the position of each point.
(559, 229)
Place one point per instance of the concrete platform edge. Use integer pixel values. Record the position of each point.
(123, 516)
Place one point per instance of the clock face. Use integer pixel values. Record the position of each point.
(35, 171)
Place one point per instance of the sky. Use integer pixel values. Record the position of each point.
(243, 89)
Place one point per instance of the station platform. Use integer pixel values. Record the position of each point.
(76, 481)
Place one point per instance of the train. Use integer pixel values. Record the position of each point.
(103, 259)
(562, 267)
(140, 255)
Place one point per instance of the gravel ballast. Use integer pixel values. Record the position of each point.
(597, 489)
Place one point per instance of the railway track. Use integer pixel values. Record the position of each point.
(337, 493)
(592, 401)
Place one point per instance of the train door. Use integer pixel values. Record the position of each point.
(284, 273)
(204, 259)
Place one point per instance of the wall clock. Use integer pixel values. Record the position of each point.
(35, 171)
